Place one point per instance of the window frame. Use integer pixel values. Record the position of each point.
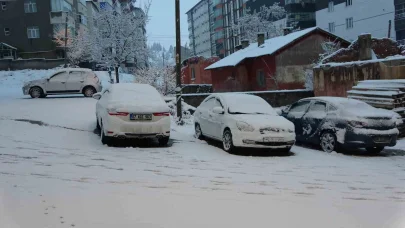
(30, 6)
(7, 33)
(331, 6)
(192, 74)
(349, 23)
(308, 102)
(318, 102)
(30, 29)
(349, 3)
(331, 27)
(4, 6)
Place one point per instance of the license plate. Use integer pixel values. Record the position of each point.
(382, 139)
(133, 116)
(273, 139)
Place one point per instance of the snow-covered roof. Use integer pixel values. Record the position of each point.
(269, 47)
(336, 100)
(7, 45)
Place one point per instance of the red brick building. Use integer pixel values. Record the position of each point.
(279, 63)
(193, 70)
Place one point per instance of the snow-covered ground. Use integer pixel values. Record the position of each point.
(54, 172)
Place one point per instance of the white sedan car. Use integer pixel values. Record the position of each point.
(129, 110)
(242, 120)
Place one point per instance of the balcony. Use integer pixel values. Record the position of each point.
(60, 18)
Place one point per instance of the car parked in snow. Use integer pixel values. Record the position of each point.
(65, 81)
(132, 111)
(242, 120)
(335, 123)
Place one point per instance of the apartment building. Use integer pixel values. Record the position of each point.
(350, 18)
(199, 29)
(400, 20)
(222, 13)
(30, 25)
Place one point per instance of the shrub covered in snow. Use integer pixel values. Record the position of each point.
(187, 109)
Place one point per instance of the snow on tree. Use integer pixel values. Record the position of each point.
(252, 23)
(162, 78)
(77, 46)
(329, 47)
(119, 37)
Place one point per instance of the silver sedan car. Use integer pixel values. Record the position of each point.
(65, 81)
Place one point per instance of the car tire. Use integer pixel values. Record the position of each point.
(227, 142)
(36, 92)
(163, 141)
(89, 91)
(44, 95)
(375, 150)
(198, 132)
(328, 142)
(105, 140)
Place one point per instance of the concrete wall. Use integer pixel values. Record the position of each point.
(274, 98)
(36, 64)
(337, 80)
(369, 16)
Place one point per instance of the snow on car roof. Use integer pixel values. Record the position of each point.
(246, 103)
(337, 100)
(73, 69)
(269, 47)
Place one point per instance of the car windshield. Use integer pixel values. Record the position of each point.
(248, 104)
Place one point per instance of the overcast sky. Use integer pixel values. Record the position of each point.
(161, 27)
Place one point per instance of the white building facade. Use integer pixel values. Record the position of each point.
(350, 18)
(199, 29)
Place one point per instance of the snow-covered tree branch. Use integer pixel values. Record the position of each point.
(329, 47)
(120, 37)
(252, 23)
(162, 78)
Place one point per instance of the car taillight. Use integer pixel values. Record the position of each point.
(161, 114)
(118, 113)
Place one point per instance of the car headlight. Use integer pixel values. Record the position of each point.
(243, 126)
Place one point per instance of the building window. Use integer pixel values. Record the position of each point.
(349, 23)
(332, 27)
(33, 32)
(331, 6)
(349, 2)
(30, 6)
(6, 31)
(192, 74)
(261, 80)
(60, 5)
(3, 5)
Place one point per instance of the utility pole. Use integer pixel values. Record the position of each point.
(178, 64)
(66, 37)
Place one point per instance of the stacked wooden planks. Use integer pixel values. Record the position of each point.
(386, 94)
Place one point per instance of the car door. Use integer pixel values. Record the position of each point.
(295, 114)
(216, 121)
(313, 120)
(75, 81)
(204, 116)
(57, 83)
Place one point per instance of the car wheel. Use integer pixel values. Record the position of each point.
(105, 140)
(36, 92)
(198, 132)
(89, 91)
(163, 141)
(328, 142)
(43, 95)
(375, 150)
(227, 141)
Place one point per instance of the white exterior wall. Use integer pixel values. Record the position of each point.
(200, 20)
(371, 16)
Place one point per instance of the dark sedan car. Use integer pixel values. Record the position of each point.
(335, 123)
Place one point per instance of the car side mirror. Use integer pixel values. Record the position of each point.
(218, 110)
(48, 79)
(285, 109)
(97, 96)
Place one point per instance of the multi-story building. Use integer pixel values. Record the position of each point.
(31, 25)
(199, 29)
(223, 13)
(400, 20)
(350, 18)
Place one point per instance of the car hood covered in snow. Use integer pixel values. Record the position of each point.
(264, 121)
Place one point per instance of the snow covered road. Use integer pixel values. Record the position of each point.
(54, 172)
